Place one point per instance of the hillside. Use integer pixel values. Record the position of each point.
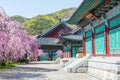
(40, 23)
(18, 18)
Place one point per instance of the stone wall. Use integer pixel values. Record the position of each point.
(105, 68)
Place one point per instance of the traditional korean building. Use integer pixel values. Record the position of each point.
(72, 43)
(100, 22)
(49, 40)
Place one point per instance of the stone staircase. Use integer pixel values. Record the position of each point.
(63, 62)
(77, 65)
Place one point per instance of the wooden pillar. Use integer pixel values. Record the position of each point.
(67, 54)
(93, 44)
(107, 37)
(70, 53)
(64, 53)
(84, 46)
(51, 56)
(107, 41)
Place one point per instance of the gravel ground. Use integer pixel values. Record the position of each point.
(38, 71)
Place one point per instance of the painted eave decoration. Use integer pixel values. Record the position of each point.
(73, 37)
(84, 8)
(48, 41)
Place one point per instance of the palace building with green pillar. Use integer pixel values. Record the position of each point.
(72, 43)
(100, 23)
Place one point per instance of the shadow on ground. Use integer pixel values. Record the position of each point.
(32, 69)
(21, 73)
(21, 76)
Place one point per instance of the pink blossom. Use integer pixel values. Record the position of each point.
(41, 53)
(14, 41)
(60, 53)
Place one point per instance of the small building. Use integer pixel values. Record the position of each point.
(49, 40)
(100, 22)
(72, 43)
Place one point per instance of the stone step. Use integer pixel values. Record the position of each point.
(78, 62)
(82, 70)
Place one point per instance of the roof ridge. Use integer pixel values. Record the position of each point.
(49, 29)
(55, 26)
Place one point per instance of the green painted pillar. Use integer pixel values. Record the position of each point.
(73, 52)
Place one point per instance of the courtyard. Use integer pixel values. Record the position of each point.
(41, 71)
(60, 41)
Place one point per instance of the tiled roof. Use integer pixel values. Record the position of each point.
(48, 41)
(84, 7)
(73, 37)
(72, 32)
(76, 30)
(54, 27)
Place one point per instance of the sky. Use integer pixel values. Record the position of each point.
(31, 8)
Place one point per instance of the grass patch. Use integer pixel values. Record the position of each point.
(8, 66)
(19, 63)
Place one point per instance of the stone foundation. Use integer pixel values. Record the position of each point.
(105, 68)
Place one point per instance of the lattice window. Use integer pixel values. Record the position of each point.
(89, 46)
(114, 37)
(100, 44)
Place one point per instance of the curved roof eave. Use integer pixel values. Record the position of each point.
(85, 6)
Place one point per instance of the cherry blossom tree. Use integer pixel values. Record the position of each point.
(60, 53)
(14, 41)
(41, 53)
